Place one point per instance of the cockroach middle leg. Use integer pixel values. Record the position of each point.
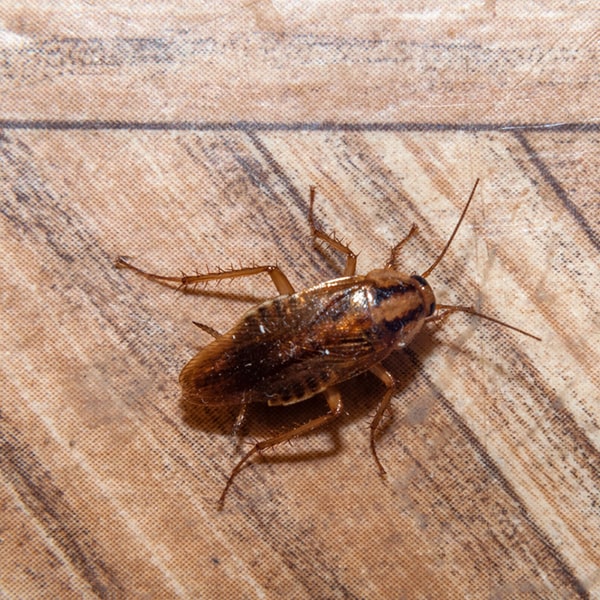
(280, 281)
(207, 329)
(390, 383)
(241, 419)
(350, 268)
(334, 401)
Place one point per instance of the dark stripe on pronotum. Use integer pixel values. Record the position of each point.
(399, 322)
(382, 293)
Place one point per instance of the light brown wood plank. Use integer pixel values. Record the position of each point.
(256, 61)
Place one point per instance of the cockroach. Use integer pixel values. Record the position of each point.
(300, 344)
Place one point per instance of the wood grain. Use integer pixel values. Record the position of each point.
(189, 140)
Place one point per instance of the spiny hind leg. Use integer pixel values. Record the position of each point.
(280, 281)
(386, 377)
(319, 234)
(334, 401)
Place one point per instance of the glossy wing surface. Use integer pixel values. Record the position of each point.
(289, 348)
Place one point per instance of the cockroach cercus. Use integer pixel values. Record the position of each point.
(300, 344)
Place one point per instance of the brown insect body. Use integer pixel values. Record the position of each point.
(299, 344)
(294, 346)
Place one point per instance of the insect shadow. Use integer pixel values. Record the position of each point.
(302, 344)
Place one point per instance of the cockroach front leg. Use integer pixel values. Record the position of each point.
(350, 268)
(392, 262)
(334, 401)
(280, 281)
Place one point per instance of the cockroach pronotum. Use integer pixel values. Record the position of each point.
(300, 344)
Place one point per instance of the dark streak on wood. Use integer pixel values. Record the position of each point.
(474, 442)
(43, 218)
(265, 126)
(590, 231)
(34, 486)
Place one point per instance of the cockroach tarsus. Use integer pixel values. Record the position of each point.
(300, 344)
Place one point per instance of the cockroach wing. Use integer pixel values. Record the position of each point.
(289, 348)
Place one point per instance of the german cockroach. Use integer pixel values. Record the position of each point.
(300, 344)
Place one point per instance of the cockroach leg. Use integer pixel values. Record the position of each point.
(334, 401)
(389, 381)
(392, 262)
(440, 316)
(279, 279)
(208, 329)
(240, 420)
(350, 268)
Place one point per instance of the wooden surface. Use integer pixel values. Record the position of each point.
(188, 136)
